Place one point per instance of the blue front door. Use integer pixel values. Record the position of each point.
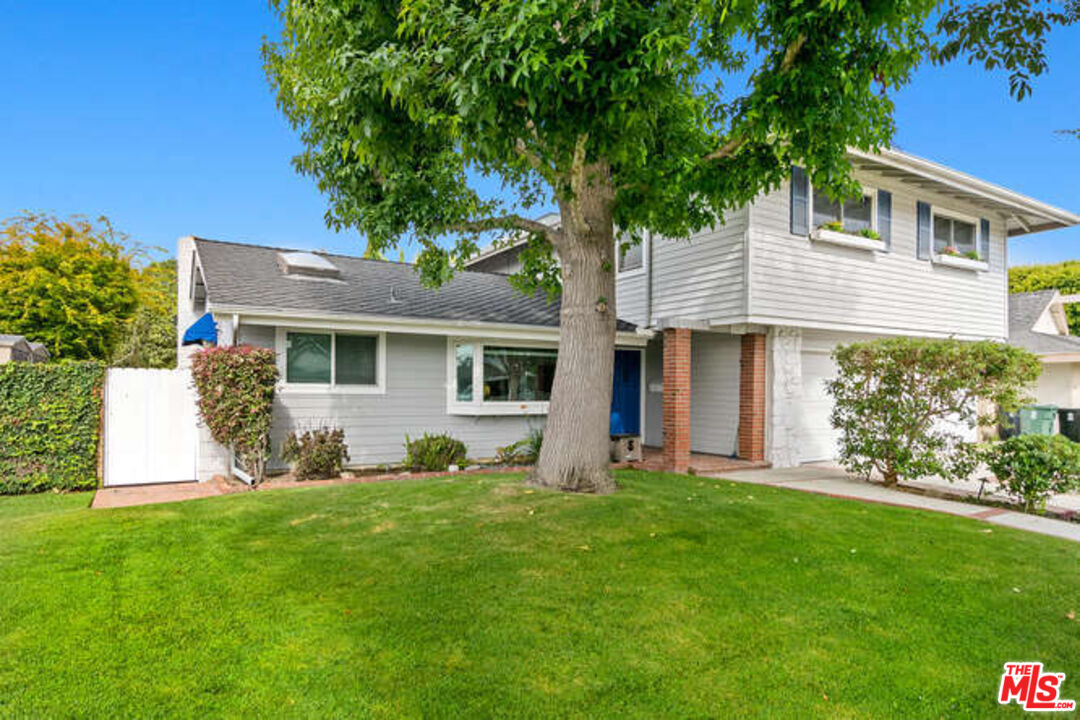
(626, 393)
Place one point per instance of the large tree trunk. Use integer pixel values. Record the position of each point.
(576, 450)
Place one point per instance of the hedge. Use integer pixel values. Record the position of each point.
(51, 421)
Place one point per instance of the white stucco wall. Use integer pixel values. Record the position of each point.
(1059, 385)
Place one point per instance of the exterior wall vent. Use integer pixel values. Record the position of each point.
(307, 264)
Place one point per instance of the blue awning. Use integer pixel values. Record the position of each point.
(202, 330)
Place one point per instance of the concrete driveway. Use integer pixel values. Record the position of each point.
(828, 479)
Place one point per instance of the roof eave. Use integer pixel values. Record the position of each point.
(1040, 216)
(394, 323)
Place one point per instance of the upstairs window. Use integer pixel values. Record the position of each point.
(854, 214)
(633, 258)
(952, 232)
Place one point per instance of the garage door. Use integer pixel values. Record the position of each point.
(817, 438)
(714, 407)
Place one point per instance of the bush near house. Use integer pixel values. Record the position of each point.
(236, 400)
(51, 424)
(525, 451)
(1031, 468)
(434, 453)
(901, 402)
(317, 453)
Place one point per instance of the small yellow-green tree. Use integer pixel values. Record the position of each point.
(149, 339)
(66, 283)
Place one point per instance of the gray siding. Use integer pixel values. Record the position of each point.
(415, 402)
(258, 335)
(702, 278)
(630, 297)
(506, 262)
(714, 402)
(797, 282)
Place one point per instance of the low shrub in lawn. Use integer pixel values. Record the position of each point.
(317, 453)
(1031, 468)
(434, 453)
(525, 451)
(51, 425)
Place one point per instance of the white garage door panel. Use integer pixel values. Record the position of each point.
(714, 382)
(817, 438)
(150, 430)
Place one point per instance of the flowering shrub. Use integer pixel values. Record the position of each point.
(317, 453)
(236, 400)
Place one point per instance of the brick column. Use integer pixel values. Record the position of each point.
(676, 399)
(752, 397)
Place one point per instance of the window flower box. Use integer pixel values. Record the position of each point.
(959, 261)
(844, 239)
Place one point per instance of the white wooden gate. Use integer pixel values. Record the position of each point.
(150, 430)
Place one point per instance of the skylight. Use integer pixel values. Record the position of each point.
(306, 263)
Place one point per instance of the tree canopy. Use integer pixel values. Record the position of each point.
(398, 101)
(149, 340)
(66, 283)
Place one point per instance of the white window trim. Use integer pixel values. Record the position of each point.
(287, 388)
(870, 192)
(620, 273)
(479, 406)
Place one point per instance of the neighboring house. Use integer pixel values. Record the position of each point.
(1037, 322)
(758, 302)
(504, 258)
(16, 348)
(363, 346)
(39, 352)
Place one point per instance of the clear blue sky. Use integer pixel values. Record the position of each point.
(158, 115)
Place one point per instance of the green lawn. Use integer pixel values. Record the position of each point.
(474, 596)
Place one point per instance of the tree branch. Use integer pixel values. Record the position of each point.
(730, 148)
(511, 221)
(790, 55)
(577, 184)
(532, 158)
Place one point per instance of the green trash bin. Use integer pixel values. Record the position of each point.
(1038, 420)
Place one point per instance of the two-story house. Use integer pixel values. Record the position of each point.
(753, 307)
(758, 303)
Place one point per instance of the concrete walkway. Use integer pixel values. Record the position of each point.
(132, 495)
(834, 482)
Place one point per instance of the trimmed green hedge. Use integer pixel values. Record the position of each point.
(50, 421)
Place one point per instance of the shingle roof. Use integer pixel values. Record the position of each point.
(250, 276)
(1024, 311)
(12, 340)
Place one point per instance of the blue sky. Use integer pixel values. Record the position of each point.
(158, 115)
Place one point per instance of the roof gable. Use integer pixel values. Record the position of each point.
(1025, 312)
